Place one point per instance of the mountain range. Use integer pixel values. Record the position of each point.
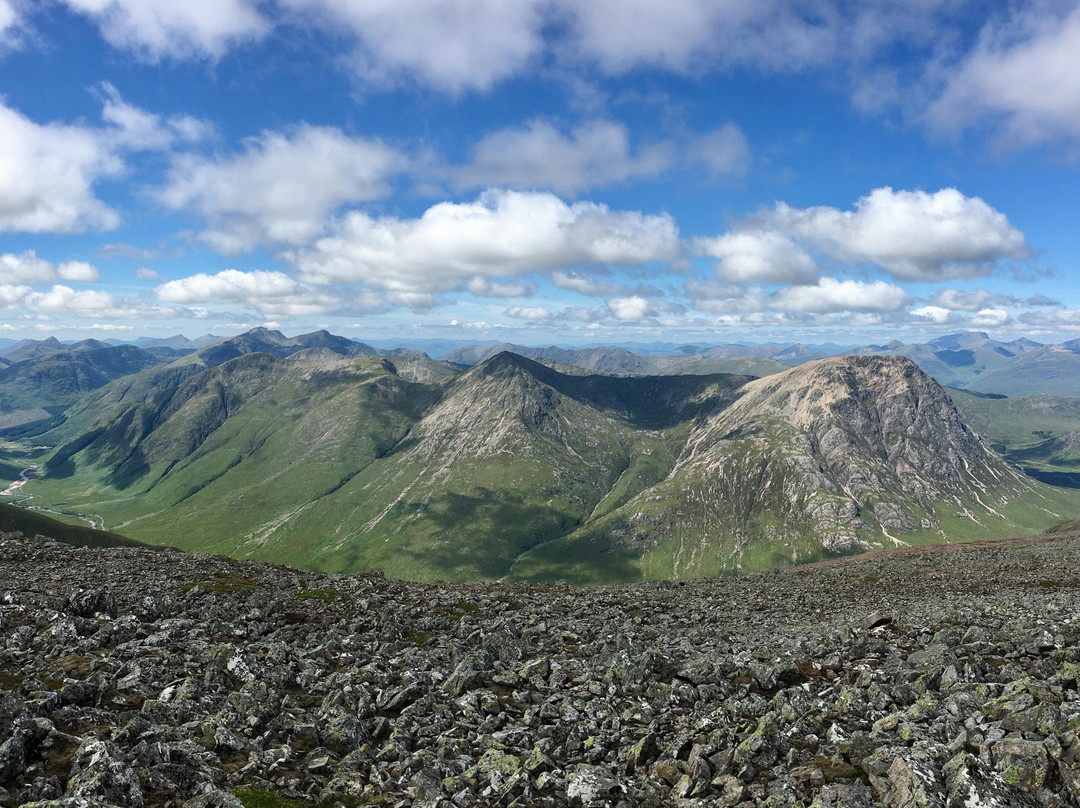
(970, 360)
(330, 454)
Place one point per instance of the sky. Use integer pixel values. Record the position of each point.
(541, 171)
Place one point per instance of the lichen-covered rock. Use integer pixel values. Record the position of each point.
(943, 679)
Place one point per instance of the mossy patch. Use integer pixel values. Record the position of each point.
(318, 594)
(221, 582)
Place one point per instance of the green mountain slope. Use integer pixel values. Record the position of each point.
(32, 523)
(513, 469)
(622, 361)
(836, 456)
(45, 381)
(232, 451)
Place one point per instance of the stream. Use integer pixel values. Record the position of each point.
(24, 477)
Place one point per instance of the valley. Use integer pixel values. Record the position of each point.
(331, 455)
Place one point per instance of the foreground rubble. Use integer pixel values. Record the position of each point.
(936, 678)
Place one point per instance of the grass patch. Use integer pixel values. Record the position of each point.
(458, 610)
(318, 594)
(221, 582)
(253, 798)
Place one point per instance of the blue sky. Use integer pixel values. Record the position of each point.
(540, 171)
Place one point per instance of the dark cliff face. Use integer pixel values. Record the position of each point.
(131, 679)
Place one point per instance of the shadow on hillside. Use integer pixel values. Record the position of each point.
(1060, 479)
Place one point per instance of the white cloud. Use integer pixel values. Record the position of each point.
(26, 267)
(136, 128)
(61, 299)
(990, 318)
(503, 233)
(1066, 319)
(685, 35)
(912, 235)
(147, 274)
(720, 298)
(272, 293)
(761, 255)
(534, 313)
(46, 176)
(454, 46)
(935, 314)
(485, 287)
(831, 295)
(631, 308)
(581, 314)
(9, 23)
(78, 271)
(970, 301)
(586, 284)
(1021, 76)
(176, 30)
(281, 188)
(595, 154)
(724, 152)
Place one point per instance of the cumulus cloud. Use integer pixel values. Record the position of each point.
(61, 299)
(990, 318)
(9, 24)
(502, 233)
(280, 189)
(725, 298)
(47, 176)
(631, 308)
(594, 154)
(1061, 319)
(485, 287)
(586, 283)
(78, 271)
(831, 295)
(455, 47)
(136, 128)
(533, 313)
(27, 267)
(972, 301)
(935, 314)
(912, 235)
(685, 35)
(1021, 76)
(759, 255)
(147, 274)
(191, 29)
(724, 152)
(272, 293)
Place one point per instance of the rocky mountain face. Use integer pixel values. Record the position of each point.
(131, 679)
(869, 444)
(833, 456)
(514, 470)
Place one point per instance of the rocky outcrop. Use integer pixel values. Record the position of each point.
(139, 678)
(834, 456)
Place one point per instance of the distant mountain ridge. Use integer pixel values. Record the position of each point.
(308, 451)
(967, 360)
(970, 360)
